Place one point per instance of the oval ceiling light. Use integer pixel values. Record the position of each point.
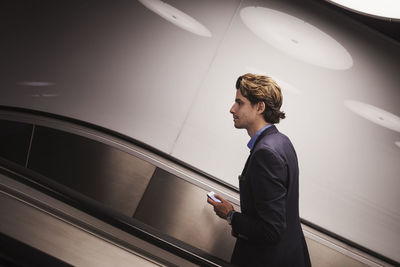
(374, 114)
(44, 95)
(176, 17)
(296, 38)
(382, 9)
(36, 84)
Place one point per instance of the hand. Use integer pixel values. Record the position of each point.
(221, 209)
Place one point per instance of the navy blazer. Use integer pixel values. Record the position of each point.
(268, 228)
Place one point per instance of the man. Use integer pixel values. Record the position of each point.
(268, 227)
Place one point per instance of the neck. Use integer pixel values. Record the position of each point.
(253, 130)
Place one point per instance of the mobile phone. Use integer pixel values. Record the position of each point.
(211, 195)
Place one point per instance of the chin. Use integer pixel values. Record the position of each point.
(238, 126)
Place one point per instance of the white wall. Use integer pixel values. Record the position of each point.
(122, 66)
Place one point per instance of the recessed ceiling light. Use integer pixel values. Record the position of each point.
(296, 38)
(44, 95)
(176, 17)
(36, 84)
(49, 95)
(389, 9)
(374, 114)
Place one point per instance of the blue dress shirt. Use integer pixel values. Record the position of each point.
(254, 138)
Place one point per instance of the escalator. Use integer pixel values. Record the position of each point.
(73, 193)
(66, 181)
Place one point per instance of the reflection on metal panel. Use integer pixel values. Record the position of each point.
(37, 200)
(180, 209)
(14, 140)
(103, 173)
(61, 240)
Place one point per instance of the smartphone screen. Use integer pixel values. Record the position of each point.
(211, 195)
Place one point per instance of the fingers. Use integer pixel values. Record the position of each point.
(220, 208)
(220, 198)
(212, 202)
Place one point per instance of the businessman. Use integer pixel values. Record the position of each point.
(267, 229)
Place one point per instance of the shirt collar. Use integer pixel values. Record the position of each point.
(252, 141)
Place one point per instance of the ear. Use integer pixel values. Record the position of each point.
(260, 107)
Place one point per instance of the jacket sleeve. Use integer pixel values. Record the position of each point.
(267, 176)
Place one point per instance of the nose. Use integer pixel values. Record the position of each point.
(232, 110)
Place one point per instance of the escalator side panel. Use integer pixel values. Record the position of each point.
(103, 173)
(60, 240)
(15, 138)
(180, 209)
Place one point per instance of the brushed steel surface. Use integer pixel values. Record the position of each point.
(83, 221)
(327, 251)
(135, 151)
(72, 158)
(180, 209)
(106, 174)
(60, 239)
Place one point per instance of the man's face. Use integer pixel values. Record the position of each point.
(244, 114)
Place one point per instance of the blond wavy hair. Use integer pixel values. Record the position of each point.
(259, 88)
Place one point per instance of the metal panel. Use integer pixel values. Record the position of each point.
(180, 209)
(44, 206)
(60, 239)
(15, 138)
(103, 173)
